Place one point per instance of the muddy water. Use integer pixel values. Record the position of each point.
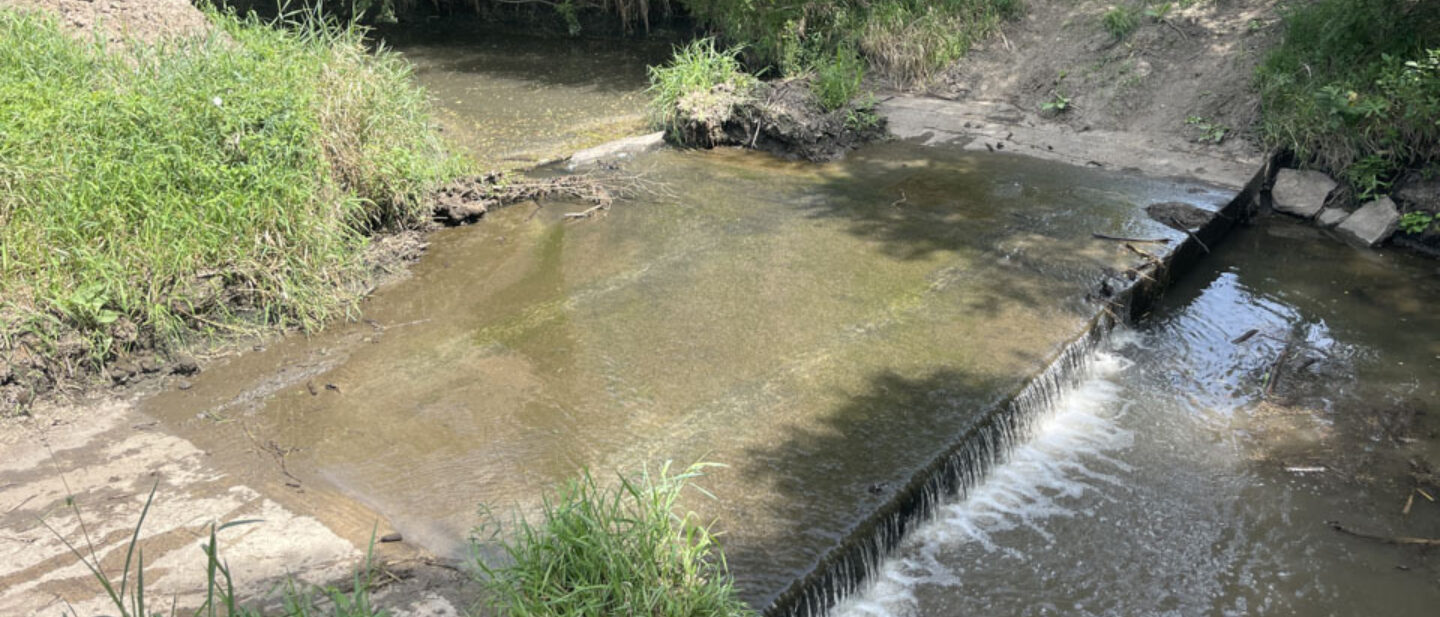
(822, 329)
(1183, 479)
(512, 100)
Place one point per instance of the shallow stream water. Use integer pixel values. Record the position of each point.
(1169, 483)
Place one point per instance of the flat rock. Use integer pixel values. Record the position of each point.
(1373, 223)
(1301, 193)
(1331, 217)
(618, 149)
(1416, 192)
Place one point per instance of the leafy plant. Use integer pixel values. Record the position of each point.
(838, 79)
(1119, 21)
(1158, 12)
(1371, 176)
(1416, 222)
(613, 550)
(1209, 132)
(1059, 103)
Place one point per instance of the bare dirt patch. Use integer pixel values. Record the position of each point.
(1181, 81)
(115, 21)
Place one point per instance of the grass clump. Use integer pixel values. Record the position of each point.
(1119, 22)
(838, 79)
(622, 550)
(1354, 88)
(701, 82)
(215, 183)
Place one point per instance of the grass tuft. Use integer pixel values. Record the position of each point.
(1119, 21)
(623, 550)
(208, 184)
(700, 79)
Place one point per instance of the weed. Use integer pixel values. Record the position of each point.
(209, 184)
(1058, 104)
(838, 79)
(220, 596)
(1119, 21)
(1209, 132)
(622, 550)
(1416, 222)
(1158, 12)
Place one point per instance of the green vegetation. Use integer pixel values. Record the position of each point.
(700, 76)
(1416, 222)
(1119, 21)
(837, 80)
(1208, 132)
(1059, 103)
(215, 184)
(603, 551)
(129, 599)
(1354, 89)
(905, 40)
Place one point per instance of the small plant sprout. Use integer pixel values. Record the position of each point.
(1119, 22)
(1416, 222)
(1058, 103)
(1209, 132)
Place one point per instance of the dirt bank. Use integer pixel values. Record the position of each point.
(118, 20)
(1181, 81)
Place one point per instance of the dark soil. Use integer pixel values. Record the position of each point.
(783, 118)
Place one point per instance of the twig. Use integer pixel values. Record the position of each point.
(1124, 239)
(1245, 337)
(1274, 376)
(584, 214)
(1148, 257)
(1175, 28)
(902, 200)
(1398, 540)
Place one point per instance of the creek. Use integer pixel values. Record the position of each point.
(830, 332)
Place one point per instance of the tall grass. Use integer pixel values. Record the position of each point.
(701, 70)
(211, 184)
(615, 551)
(1354, 88)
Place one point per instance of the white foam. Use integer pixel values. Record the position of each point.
(1042, 479)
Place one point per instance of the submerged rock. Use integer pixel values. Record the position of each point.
(1331, 217)
(1301, 193)
(1373, 223)
(1179, 215)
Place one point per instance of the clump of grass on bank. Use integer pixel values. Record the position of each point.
(701, 82)
(1354, 88)
(623, 550)
(212, 184)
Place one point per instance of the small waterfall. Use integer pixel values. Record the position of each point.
(962, 467)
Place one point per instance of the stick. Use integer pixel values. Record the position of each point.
(1245, 337)
(1124, 239)
(1148, 257)
(1398, 540)
(902, 200)
(1274, 376)
(585, 214)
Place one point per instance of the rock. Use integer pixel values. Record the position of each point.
(122, 371)
(1417, 193)
(148, 364)
(183, 384)
(1331, 217)
(184, 364)
(1301, 193)
(392, 537)
(1373, 223)
(5, 372)
(618, 149)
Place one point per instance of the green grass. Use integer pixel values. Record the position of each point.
(703, 73)
(1354, 88)
(1119, 21)
(838, 79)
(212, 184)
(602, 551)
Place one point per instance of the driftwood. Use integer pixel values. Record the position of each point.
(1245, 337)
(1136, 240)
(1396, 540)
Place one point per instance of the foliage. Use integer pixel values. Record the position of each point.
(1059, 104)
(623, 550)
(1354, 88)
(698, 69)
(905, 40)
(1210, 132)
(837, 80)
(1416, 222)
(207, 183)
(1119, 21)
(220, 596)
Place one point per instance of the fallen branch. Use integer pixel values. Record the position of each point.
(1273, 376)
(584, 214)
(902, 200)
(1124, 239)
(1396, 540)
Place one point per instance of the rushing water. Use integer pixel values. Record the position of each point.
(1168, 483)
